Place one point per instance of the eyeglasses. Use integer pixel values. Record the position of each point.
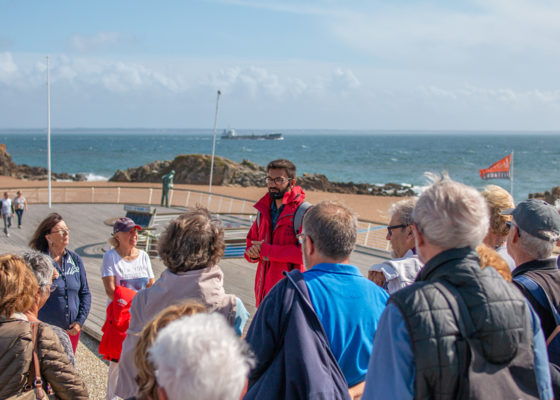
(62, 231)
(390, 228)
(277, 181)
(511, 224)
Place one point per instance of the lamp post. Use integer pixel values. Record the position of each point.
(213, 146)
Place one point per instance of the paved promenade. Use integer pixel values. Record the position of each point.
(89, 230)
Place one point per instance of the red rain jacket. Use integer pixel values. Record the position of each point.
(116, 323)
(280, 250)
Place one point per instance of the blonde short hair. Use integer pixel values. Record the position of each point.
(146, 379)
(498, 200)
(18, 285)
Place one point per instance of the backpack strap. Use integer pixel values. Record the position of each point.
(539, 294)
(298, 216)
(300, 213)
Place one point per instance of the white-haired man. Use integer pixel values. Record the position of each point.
(313, 333)
(459, 330)
(533, 233)
(395, 274)
(200, 357)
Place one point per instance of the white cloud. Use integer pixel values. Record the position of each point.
(8, 68)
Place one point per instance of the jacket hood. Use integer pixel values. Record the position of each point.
(296, 195)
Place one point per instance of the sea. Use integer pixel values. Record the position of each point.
(374, 157)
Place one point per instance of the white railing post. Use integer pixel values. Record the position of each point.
(171, 197)
(150, 197)
(93, 194)
(118, 195)
(188, 197)
(230, 205)
(65, 194)
(367, 234)
(220, 204)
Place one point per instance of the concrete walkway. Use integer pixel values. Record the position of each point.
(89, 231)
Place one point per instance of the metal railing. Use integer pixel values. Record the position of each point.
(370, 233)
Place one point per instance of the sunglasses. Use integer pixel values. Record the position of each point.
(390, 228)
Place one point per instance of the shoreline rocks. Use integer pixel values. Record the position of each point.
(194, 169)
(24, 171)
(551, 197)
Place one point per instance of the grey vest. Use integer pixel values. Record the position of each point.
(497, 309)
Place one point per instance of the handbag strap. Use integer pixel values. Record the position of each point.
(539, 294)
(35, 380)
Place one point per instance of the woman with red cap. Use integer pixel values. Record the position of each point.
(127, 268)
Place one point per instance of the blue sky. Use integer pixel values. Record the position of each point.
(338, 64)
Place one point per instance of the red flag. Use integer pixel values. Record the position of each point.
(498, 170)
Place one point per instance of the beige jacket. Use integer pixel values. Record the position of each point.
(204, 285)
(16, 352)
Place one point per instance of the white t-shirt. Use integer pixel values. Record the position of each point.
(19, 203)
(131, 274)
(6, 206)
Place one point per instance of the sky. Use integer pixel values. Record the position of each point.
(301, 64)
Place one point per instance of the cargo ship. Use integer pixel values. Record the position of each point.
(231, 134)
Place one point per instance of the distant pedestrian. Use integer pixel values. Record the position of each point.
(167, 184)
(7, 210)
(20, 205)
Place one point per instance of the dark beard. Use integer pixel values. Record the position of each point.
(277, 195)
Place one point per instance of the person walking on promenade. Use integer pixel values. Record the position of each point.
(69, 304)
(271, 241)
(459, 331)
(498, 200)
(24, 343)
(533, 233)
(20, 205)
(313, 333)
(167, 184)
(190, 247)
(395, 274)
(7, 210)
(125, 266)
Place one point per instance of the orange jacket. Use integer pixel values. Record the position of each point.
(280, 250)
(116, 323)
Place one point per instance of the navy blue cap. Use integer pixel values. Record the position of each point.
(536, 217)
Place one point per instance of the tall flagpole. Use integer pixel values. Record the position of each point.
(511, 176)
(48, 133)
(213, 145)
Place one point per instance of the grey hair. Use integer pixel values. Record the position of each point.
(537, 248)
(201, 354)
(333, 228)
(403, 209)
(451, 214)
(41, 265)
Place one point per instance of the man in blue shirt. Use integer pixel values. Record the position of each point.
(347, 305)
(456, 320)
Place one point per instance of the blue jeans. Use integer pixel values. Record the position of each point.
(19, 215)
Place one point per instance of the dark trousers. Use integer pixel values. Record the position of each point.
(19, 215)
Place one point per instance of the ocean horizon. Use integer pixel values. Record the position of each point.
(360, 156)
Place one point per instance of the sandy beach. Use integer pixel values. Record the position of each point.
(370, 208)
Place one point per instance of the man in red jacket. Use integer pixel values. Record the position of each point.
(271, 241)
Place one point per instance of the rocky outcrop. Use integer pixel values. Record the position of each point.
(551, 197)
(24, 171)
(194, 169)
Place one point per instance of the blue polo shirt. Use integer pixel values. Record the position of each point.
(349, 307)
